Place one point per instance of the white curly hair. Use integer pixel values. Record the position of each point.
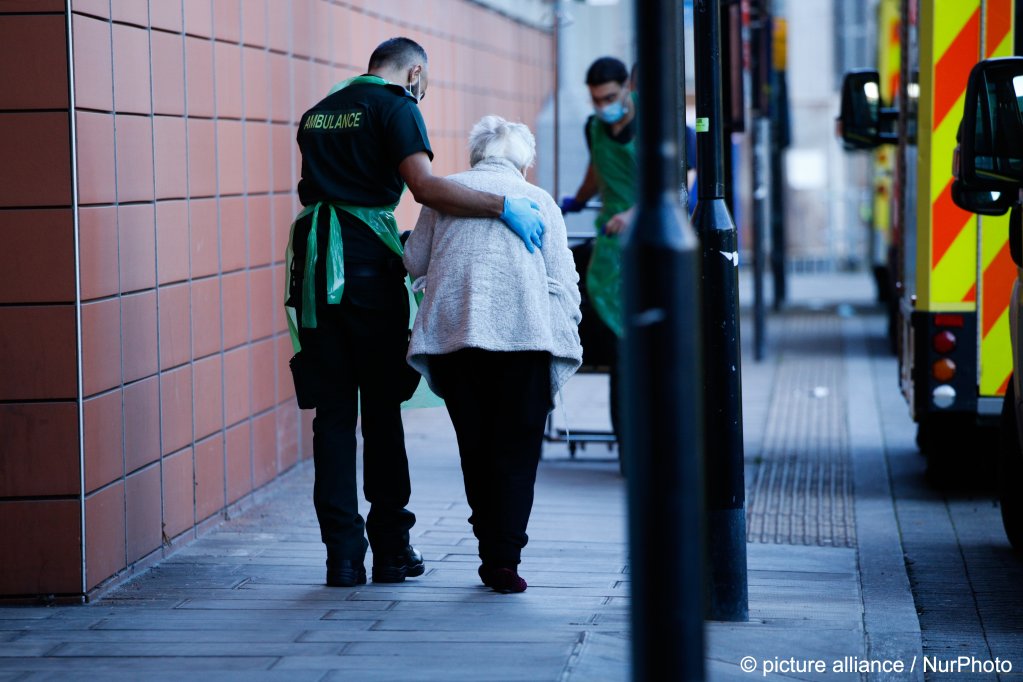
(494, 136)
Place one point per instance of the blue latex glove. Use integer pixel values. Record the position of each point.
(570, 205)
(522, 216)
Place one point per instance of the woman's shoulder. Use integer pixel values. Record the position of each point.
(539, 194)
(466, 177)
(506, 184)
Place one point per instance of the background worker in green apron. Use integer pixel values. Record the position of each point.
(347, 305)
(612, 173)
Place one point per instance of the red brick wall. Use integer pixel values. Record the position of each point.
(185, 113)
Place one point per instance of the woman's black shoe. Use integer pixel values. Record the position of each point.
(503, 580)
(394, 569)
(345, 573)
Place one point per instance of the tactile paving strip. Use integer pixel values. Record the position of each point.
(799, 487)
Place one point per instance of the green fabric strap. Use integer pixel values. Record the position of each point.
(379, 219)
(335, 265)
(357, 80)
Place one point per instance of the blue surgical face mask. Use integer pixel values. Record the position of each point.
(612, 113)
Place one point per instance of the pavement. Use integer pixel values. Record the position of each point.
(828, 583)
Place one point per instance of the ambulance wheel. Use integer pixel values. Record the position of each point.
(1010, 471)
(942, 439)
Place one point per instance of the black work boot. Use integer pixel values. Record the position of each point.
(407, 563)
(345, 572)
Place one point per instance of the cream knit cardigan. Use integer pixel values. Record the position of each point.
(483, 289)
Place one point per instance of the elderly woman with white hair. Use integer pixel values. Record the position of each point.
(496, 336)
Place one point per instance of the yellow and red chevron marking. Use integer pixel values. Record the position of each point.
(998, 29)
(999, 272)
(949, 38)
(889, 48)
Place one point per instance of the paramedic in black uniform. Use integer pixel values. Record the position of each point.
(360, 146)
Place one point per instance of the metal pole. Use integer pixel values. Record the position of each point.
(725, 48)
(761, 223)
(779, 140)
(726, 514)
(662, 424)
(760, 56)
(557, 100)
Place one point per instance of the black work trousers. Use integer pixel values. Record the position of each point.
(498, 402)
(360, 345)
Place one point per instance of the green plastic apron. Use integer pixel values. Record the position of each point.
(379, 219)
(616, 173)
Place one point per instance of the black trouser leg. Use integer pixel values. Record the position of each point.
(503, 451)
(517, 445)
(361, 347)
(385, 471)
(381, 341)
(335, 492)
(471, 416)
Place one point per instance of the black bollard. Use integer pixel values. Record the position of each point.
(661, 378)
(722, 372)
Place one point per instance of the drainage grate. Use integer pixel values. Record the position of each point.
(799, 489)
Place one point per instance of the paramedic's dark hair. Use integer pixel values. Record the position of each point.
(399, 53)
(605, 70)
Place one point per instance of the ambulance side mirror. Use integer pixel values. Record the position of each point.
(991, 138)
(981, 202)
(859, 123)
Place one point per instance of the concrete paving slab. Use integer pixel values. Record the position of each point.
(20, 647)
(48, 624)
(105, 636)
(138, 650)
(219, 674)
(600, 657)
(100, 664)
(519, 635)
(201, 621)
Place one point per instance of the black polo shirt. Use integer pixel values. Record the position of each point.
(352, 143)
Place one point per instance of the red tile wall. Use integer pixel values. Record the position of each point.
(40, 473)
(185, 113)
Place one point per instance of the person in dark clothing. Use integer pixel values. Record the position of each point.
(348, 307)
(612, 172)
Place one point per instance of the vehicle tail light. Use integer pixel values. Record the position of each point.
(944, 369)
(944, 342)
(947, 320)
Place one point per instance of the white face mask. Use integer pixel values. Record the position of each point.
(417, 91)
